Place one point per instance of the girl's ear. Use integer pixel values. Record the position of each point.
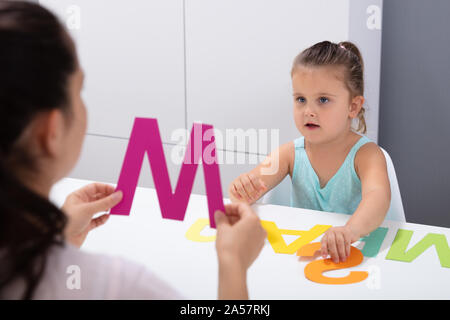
(355, 106)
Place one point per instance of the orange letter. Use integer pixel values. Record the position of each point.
(314, 269)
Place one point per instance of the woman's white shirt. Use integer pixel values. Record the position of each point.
(71, 273)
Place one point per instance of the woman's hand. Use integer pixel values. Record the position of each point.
(246, 188)
(336, 243)
(81, 205)
(240, 238)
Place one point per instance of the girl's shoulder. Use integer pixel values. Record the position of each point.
(286, 156)
(367, 156)
(284, 151)
(287, 150)
(287, 147)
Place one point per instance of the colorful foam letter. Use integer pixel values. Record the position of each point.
(275, 236)
(313, 270)
(194, 232)
(398, 249)
(373, 242)
(145, 137)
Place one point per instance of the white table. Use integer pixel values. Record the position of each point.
(191, 266)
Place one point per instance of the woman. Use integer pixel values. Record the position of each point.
(40, 141)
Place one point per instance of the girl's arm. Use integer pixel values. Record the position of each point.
(251, 186)
(370, 165)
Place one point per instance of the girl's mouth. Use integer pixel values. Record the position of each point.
(312, 126)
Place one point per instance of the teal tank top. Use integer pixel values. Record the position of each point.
(342, 193)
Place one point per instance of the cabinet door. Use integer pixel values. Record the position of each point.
(239, 56)
(133, 55)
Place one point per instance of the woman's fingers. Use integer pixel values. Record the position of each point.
(105, 203)
(94, 191)
(237, 209)
(220, 219)
(235, 212)
(97, 222)
(101, 189)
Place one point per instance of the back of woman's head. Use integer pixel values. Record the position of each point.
(37, 58)
(344, 54)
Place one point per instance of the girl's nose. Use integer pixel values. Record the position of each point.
(309, 112)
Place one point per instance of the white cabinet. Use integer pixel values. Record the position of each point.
(133, 55)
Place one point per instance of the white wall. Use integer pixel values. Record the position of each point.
(225, 63)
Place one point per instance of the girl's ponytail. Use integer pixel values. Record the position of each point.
(354, 50)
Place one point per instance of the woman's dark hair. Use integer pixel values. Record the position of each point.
(37, 57)
(344, 54)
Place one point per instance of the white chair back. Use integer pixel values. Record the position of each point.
(396, 211)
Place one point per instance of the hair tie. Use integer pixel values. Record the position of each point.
(342, 47)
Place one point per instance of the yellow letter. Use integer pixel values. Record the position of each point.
(193, 232)
(275, 238)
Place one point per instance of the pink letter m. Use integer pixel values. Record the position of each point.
(145, 137)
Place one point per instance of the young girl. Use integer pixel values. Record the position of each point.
(44, 123)
(332, 167)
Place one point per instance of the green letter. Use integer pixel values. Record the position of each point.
(401, 241)
(373, 242)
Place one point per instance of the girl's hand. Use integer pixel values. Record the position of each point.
(246, 188)
(336, 243)
(81, 205)
(240, 236)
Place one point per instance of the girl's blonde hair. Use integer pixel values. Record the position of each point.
(344, 54)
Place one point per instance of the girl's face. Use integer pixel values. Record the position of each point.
(323, 107)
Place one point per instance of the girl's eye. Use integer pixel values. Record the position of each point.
(301, 99)
(323, 100)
